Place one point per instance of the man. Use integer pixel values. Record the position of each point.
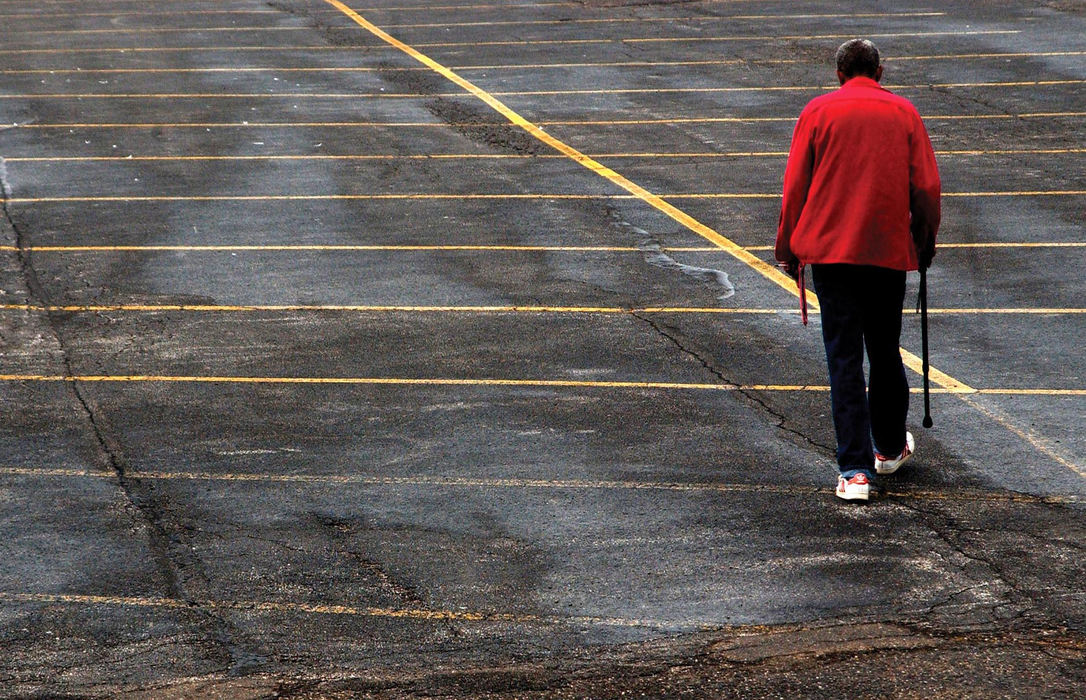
(861, 207)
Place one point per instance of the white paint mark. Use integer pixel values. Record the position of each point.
(717, 280)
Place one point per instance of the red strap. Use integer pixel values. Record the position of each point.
(802, 294)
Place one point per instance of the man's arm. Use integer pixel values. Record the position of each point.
(924, 193)
(797, 182)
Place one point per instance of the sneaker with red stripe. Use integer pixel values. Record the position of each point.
(889, 465)
(855, 488)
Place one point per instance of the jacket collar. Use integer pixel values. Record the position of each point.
(862, 81)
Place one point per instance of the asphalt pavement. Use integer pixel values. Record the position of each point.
(434, 349)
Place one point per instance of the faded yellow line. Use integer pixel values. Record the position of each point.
(223, 308)
(650, 20)
(493, 382)
(157, 30)
(477, 196)
(157, 13)
(314, 197)
(523, 93)
(790, 120)
(335, 609)
(466, 67)
(777, 88)
(747, 61)
(490, 248)
(175, 49)
(1023, 244)
(522, 483)
(405, 381)
(472, 44)
(542, 309)
(495, 156)
(564, 122)
(344, 247)
(681, 39)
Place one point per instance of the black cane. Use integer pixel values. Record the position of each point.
(924, 342)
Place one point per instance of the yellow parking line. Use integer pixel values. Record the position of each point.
(490, 248)
(407, 381)
(519, 483)
(223, 308)
(501, 67)
(494, 382)
(477, 196)
(312, 197)
(330, 609)
(513, 93)
(466, 67)
(157, 13)
(650, 20)
(683, 39)
(363, 308)
(745, 61)
(495, 156)
(157, 30)
(556, 122)
(173, 49)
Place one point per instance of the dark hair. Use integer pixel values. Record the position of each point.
(857, 57)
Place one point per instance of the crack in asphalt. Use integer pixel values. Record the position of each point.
(171, 554)
(676, 337)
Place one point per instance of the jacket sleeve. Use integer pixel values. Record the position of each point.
(924, 193)
(797, 181)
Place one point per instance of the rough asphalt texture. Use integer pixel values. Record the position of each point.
(307, 539)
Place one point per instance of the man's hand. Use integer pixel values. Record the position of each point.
(926, 254)
(924, 240)
(790, 268)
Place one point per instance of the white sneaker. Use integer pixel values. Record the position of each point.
(889, 465)
(856, 488)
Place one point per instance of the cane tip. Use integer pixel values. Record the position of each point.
(927, 422)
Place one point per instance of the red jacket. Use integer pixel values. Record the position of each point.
(861, 185)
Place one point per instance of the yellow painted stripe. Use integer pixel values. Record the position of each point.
(407, 381)
(156, 13)
(363, 308)
(466, 67)
(493, 382)
(682, 39)
(564, 122)
(157, 30)
(652, 20)
(743, 61)
(486, 248)
(172, 49)
(317, 247)
(495, 156)
(483, 196)
(249, 606)
(95, 308)
(313, 197)
(518, 483)
(194, 30)
(515, 383)
(519, 93)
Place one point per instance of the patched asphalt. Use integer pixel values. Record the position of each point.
(320, 379)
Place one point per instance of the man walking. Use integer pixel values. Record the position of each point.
(861, 207)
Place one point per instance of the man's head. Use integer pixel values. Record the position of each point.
(858, 57)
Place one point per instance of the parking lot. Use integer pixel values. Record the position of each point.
(412, 349)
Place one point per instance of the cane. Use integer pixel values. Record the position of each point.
(923, 301)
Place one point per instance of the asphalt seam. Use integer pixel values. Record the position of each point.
(161, 543)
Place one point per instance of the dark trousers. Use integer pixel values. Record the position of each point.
(861, 306)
